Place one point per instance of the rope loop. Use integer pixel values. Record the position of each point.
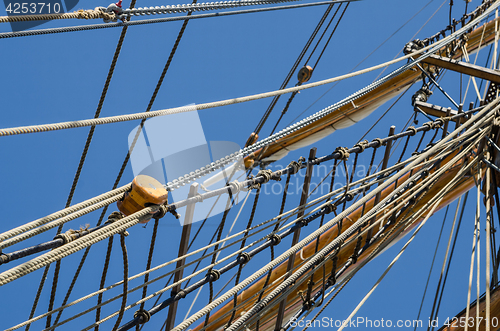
(412, 129)
(143, 315)
(378, 142)
(343, 151)
(349, 196)
(361, 146)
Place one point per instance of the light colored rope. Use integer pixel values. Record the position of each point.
(74, 246)
(41, 221)
(98, 12)
(176, 110)
(326, 226)
(59, 221)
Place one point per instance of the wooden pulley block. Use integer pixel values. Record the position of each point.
(305, 74)
(252, 139)
(145, 191)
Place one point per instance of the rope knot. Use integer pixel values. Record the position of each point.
(143, 315)
(378, 142)
(428, 125)
(115, 216)
(412, 129)
(294, 167)
(66, 236)
(267, 174)
(343, 152)
(438, 123)
(354, 256)
(361, 146)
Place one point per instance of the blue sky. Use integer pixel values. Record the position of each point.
(56, 78)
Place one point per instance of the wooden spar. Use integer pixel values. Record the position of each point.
(464, 68)
(294, 301)
(183, 248)
(296, 234)
(434, 110)
(351, 113)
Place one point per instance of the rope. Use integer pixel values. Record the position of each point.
(125, 282)
(131, 117)
(312, 236)
(98, 12)
(156, 20)
(70, 248)
(111, 195)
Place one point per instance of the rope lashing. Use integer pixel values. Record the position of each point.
(266, 174)
(343, 152)
(354, 256)
(428, 126)
(438, 123)
(115, 216)
(361, 146)
(66, 237)
(413, 130)
(330, 207)
(143, 316)
(98, 12)
(378, 142)
(295, 166)
(235, 186)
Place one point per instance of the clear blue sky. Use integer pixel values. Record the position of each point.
(59, 77)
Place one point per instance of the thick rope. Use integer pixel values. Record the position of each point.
(98, 12)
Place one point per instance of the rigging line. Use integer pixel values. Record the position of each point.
(331, 35)
(471, 269)
(114, 13)
(175, 110)
(54, 216)
(443, 267)
(159, 20)
(294, 67)
(283, 112)
(367, 58)
(91, 295)
(390, 265)
(322, 35)
(223, 244)
(451, 256)
(125, 282)
(385, 113)
(435, 253)
(313, 235)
